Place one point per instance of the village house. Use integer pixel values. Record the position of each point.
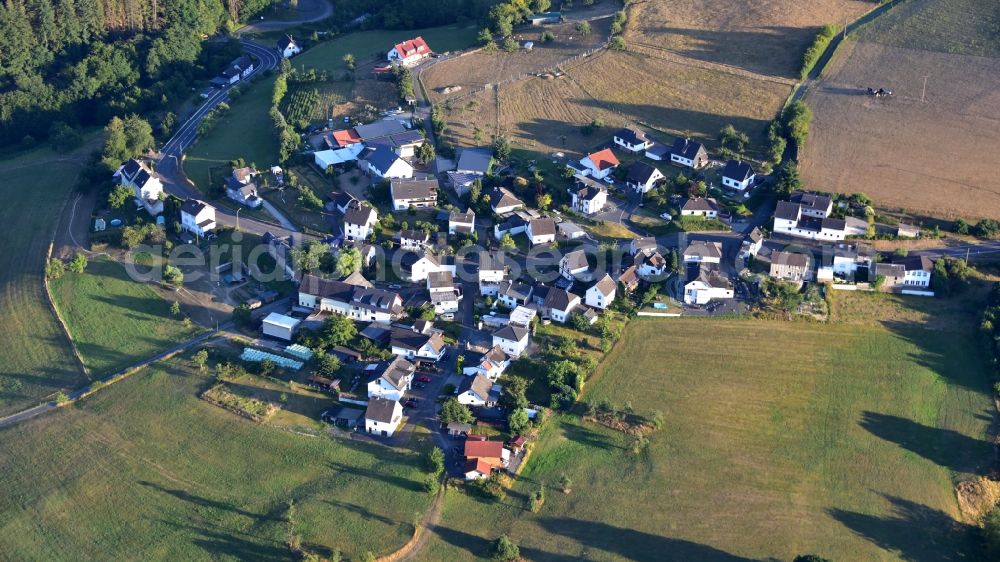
(410, 239)
(588, 196)
(599, 165)
(146, 187)
(475, 392)
(340, 201)
(237, 70)
(807, 215)
(650, 266)
(574, 265)
(843, 261)
(791, 266)
(382, 162)
(475, 161)
(461, 223)
(737, 175)
(556, 304)
(483, 457)
(502, 201)
(512, 339)
(645, 244)
(629, 279)
(705, 207)
(417, 194)
(658, 152)
(359, 221)
(491, 364)
(354, 300)
(541, 231)
(382, 416)
(415, 345)
(751, 244)
(419, 266)
(706, 282)
(917, 271)
(642, 177)
(689, 154)
(703, 251)
(410, 52)
(288, 47)
(390, 379)
(443, 293)
(632, 140)
(602, 293)
(516, 223)
(491, 272)
(240, 187)
(512, 294)
(343, 138)
(197, 217)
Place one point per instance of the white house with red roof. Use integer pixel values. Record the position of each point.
(600, 164)
(410, 52)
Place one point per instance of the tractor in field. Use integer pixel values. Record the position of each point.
(879, 93)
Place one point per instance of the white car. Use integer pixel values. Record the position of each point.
(666, 216)
(609, 180)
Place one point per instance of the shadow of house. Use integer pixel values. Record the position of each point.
(914, 532)
(945, 447)
(632, 544)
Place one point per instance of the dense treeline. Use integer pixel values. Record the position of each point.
(80, 62)
(411, 14)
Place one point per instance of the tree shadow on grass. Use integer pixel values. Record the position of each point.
(222, 544)
(939, 354)
(945, 447)
(476, 545)
(201, 501)
(362, 511)
(585, 436)
(632, 544)
(914, 532)
(376, 475)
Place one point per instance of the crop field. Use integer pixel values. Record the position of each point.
(145, 470)
(114, 320)
(35, 358)
(473, 72)
(780, 438)
(892, 148)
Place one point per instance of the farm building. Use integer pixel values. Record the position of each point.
(326, 158)
(543, 18)
(409, 52)
(280, 326)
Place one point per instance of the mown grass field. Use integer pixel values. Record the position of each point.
(114, 320)
(145, 470)
(843, 440)
(887, 147)
(35, 358)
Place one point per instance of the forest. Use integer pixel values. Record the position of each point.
(81, 62)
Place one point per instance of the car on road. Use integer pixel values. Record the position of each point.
(410, 403)
(395, 286)
(666, 216)
(609, 180)
(423, 378)
(448, 316)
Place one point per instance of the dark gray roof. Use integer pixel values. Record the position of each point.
(515, 290)
(285, 41)
(577, 259)
(440, 279)
(700, 204)
(490, 261)
(358, 213)
(410, 234)
(380, 409)
(409, 339)
(381, 157)
(915, 263)
(558, 299)
(659, 150)
(703, 249)
(791, 259)
(632, 136)
(890, 269)
(511, 332)
(834, 224)
(640, 172)
(787, 210)
(414, 189)
(467, 217)
(502, 197)
(193, 206)
(737, 170)
(395, 372)
(708, 273)
(475, 160)
(379, 129)
(687, 148)
(812, 200)
(587, 189)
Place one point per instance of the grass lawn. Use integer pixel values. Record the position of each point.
(367, 45)
(114, 320)
(246, 131)
(35, 358)
(145, 470)
(843, 440)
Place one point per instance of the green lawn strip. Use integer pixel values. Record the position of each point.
(35, 356)
(114, 320)
(147, 470)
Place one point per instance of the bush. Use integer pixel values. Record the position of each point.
(54, 268)
(816, 50)
(616, 43)
(505, 550)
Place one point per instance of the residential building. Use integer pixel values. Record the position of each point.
(244, 194)
(642, 177)
(843, 261)
(792, 266)
(738, 175)
(355, 301)
(474, 392)
(512, 294)
(502, 201)
(632, 140)
(588, 196)
(377, 132)
(390, 379)
(445, 302)
(807, 216)
(343, 138)
(146, 187)
(514, 224)
(574, 265)
(475, 161)
(359, 220)
(751, 244)
(382, 162)
(541, 231)
(462, 223)
(644, 244)
(512, 339)
(420, 265)
(522, 316)
(483, 457)
(382, 416)
(917, 271)
(629, 279)
(415, 345)
(689, 154)
(556, 303)
(658, 152)
(813, 204)
(417, 194)
(491, 272)
(600, 164)
(197, 217)
(706, 282)
(650, 267)
(341, 201)
(324, 159)
(491, 364)
(602, 293)
(703, 251)
(410, 52)
(705, 207)
(288, 47)
(413, 239)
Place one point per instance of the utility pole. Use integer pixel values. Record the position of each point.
(923, 92)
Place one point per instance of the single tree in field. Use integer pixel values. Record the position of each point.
(175, 308)
(200, 359)
(504, 550)
(565, 484)
(78, 264)
(501, 147)
(349, 61)
(583, 27)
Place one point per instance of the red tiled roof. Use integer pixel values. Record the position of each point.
(412, 47)
(604, 159)
(345, 137)
(478, 465)
(483, 449)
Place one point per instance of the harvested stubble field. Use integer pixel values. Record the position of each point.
(840, 439)
(936, 157)
(474, 71)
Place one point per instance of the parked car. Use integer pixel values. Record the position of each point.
(666, 216)
(423, 378)
(448, 316)
(410, 403)
(395, 287)
(609, 180)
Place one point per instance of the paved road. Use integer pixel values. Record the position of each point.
(309, 11)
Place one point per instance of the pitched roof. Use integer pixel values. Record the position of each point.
(412, 47)
(700, 204)
(791, 259)
(483, 449)
(915, 263)
(737, 170)
(786, 210)
(358, 213)
(604, 159)
(511, 333)
(475, 160)
(193, 206)
(285, 42)
(381, 158)
(502, 197)
(379, 129)
(409, 339)
(687, 148)
(410, 234)
(588, 189)
(606, 285)
(490, 261)
(542, 226)
(708, 273)
(558, 299)
(440, 279)
(703, 249)
(812, 200)
(413, 189)
(380, 409)
(632, 136)
(575, 260)
(468, 217)
(629, 277)
(477, 465)
(640, 172)
(515, 290)
(346, 137)
(395, 372)
(478, 384)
